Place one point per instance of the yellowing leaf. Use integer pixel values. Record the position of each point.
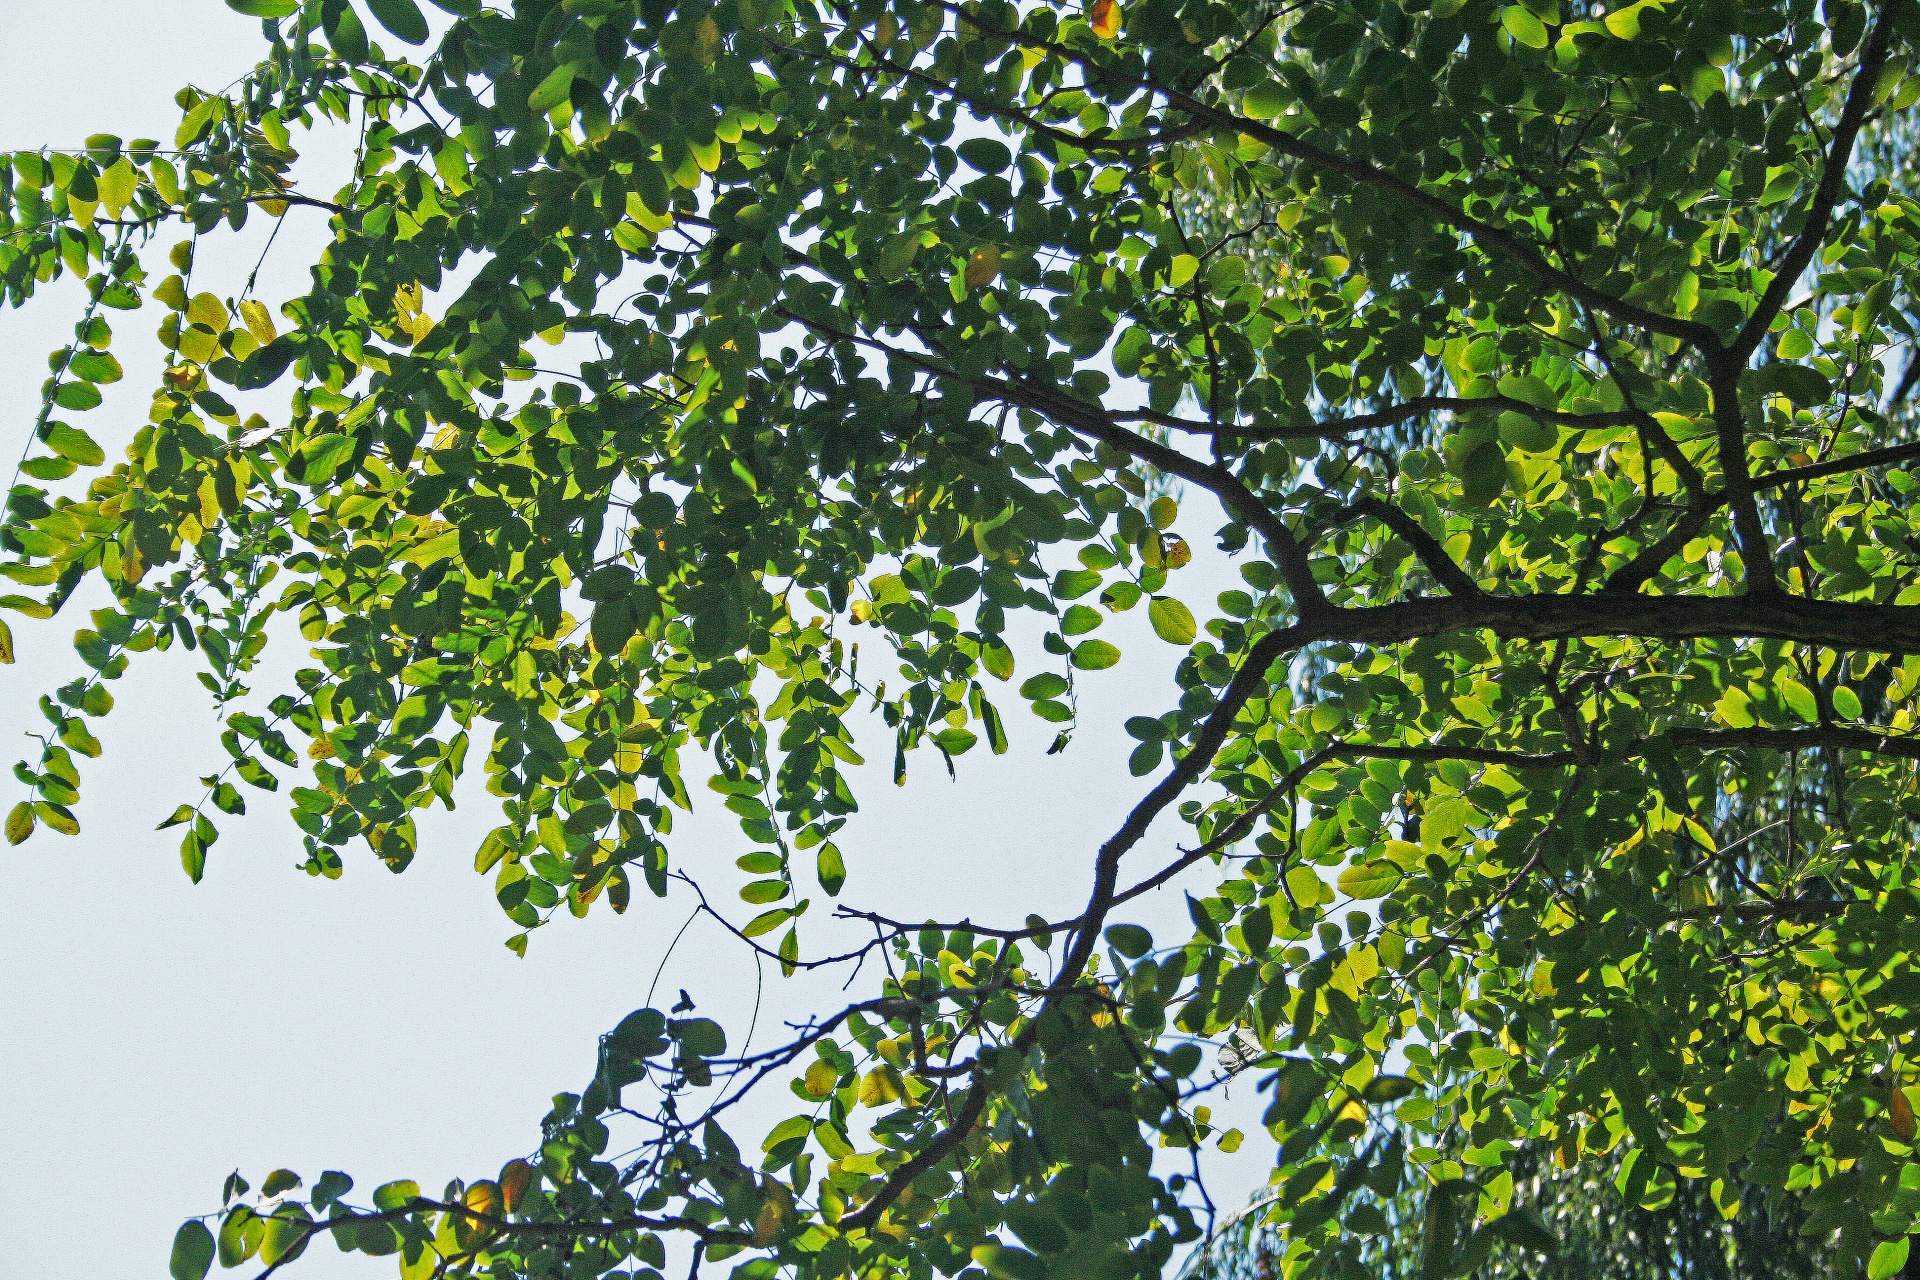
(820, 1079)
(205, 309)
(442, 546)
(484, 1198)
(1172, 621)
(766, 1225)
(1900, 1115)
(880, 1086)
(515, 1177)
(983, 265)
(117, 185)
(1369, 880)
(706, 40)
(1104, 18)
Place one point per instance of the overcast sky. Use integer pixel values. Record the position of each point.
(160, 1034)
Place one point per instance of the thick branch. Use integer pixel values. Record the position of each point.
(1837, 466)
(1394, 415)
(1906, 747)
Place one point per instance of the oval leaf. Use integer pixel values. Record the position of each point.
(1172, 621)
(1369, 880)
(192, 1252)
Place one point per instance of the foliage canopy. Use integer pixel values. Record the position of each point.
(1544, 360)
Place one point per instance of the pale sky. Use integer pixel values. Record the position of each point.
(160, 1034)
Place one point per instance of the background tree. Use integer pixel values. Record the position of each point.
(877, 307)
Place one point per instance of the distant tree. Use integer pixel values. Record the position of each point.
(1559, 751)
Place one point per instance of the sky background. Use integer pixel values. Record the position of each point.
(159, 1034)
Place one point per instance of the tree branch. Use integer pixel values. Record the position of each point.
(1833, 177)
(1455, 579)
(1523, 254)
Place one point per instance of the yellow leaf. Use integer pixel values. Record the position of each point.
(207, 310)
(766, 1224)
(6, 644)
(515, 1177)
(820, 1079)
(441, 547)
(1900, 1116)
(258, 322)
(483, 1197)
(117, 185)
(880, 1086)
(1230, 1140)
(706, 40)
(1104, 18)
(983, 265)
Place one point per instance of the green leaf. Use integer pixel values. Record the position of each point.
(402, 17)
(787, 1130)
(279, 1182)
(74, 445)
(767, 921)
(289, 1228)
(1799, 699)
(988, 155)
(1266, 101)
(265, 8)
(1382, 1089)
(77, 396)
(1524, 1227)
(1523, 26)
(1846, 703)
(1369, 880)
(553, 90)
(701, 1036)
(193, 1249)
(1172, 621)
(345, 32)
(397, 1195)
(6, 644)
(1889, 1258)
(1045, 685)
(996, 659)
(832, 871)
(764, 891)
(1130, 940)
(1095, 655)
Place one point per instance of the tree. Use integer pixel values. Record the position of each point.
(1558, 758)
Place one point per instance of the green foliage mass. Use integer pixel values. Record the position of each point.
(1541, 358)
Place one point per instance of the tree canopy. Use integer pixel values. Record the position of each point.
(1549, 366)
